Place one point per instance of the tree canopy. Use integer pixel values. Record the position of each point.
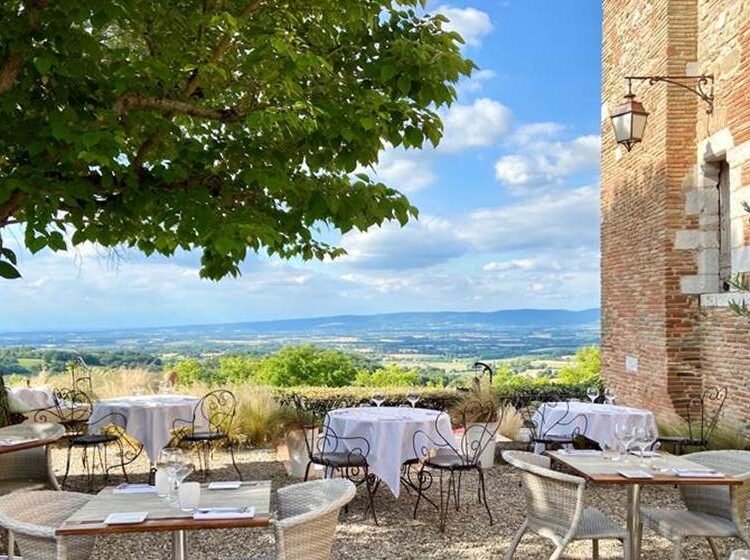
(224, 125)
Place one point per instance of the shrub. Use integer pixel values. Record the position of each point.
(306, 365)
(391, 375)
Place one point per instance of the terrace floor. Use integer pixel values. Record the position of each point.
(468, 535)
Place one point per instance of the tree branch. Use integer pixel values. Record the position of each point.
(219, 50)
(9, 72)
(134, 102)
(9, 208)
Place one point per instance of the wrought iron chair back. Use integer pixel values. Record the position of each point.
(477, 425)
(709, 406)
(328, 443)
(214, 413)
(72, 409)
(545, 419)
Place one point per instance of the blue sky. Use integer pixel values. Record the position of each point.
(508, 206)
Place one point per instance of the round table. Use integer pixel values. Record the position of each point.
(149, 418)
(601, 419)
(390, 433)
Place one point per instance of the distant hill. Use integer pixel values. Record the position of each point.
(523, 322)
(438, 320)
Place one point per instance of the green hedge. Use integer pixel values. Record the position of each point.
(319, 400)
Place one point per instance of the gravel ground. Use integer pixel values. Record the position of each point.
(468, 535)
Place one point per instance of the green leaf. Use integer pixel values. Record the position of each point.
(8, 271)
(8, 255)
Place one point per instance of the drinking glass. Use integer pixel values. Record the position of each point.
(378, 399)
(644, 439)
(609, 395)
(626, 434)
(189, 495)
(592, 393)
(413, 399)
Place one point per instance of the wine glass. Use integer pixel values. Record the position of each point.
(412, 399)
(644, 439)
(592, 393)
(609, 395)
(168, 461)
(626, 434)
(378, 399)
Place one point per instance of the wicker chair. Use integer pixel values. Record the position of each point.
(702, 415)
(712, 511)
(555, 508)
(307, 517)
(210, 425)
(33, 517)
(28, 469)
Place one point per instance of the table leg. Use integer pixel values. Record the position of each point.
(180, 549)
(634, 520)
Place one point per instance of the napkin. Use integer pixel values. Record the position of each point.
(224, 513)
(635, 473)
(580, 452)
(225, 485)
(134, 489)
(698, 473)
(126, 518)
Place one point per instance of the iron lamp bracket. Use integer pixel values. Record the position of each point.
(702, 86)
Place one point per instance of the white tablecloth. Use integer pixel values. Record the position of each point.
(601, 419)
(148, 418)
(390, 433)
(25, 399)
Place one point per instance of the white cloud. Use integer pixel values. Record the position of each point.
(408, 171)
(544, 161)
(471, 23)
(567, 219)
(475, 82)
(480, 124)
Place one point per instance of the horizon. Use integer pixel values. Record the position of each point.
(509, 208)
(293, 319)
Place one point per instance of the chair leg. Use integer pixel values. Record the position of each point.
(595, 549)
(67, 466)
(677, 550)
(372, 483)
(457, 492)
(234, 463)
(420, 489)
(714, 548)
(11, 546)
(558, 552)
(307, 470)
(484, 494)
(516, 541)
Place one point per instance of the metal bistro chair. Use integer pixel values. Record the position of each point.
(456, 454)
(307, 518)
(211, 423)
(556, 509)
(713, 512)
(346, 456)
(73, 410)
(702, 415)
(551, 424)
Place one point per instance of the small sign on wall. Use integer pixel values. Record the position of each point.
(631, 364)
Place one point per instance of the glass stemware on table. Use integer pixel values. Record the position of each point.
(644, 439)
(609, 395)
(625, 434)
(378, 399)
(592, 393)
(412, 399)
(177, 468)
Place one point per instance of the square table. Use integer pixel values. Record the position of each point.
(163, 517)
(597, 470)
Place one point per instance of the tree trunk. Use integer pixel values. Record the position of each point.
(5, 416)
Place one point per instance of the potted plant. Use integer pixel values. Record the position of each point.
(298, 429)
(478, 413)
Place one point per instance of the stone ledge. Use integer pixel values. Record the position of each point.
(723, 299)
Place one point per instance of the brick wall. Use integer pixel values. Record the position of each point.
(660, 236)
